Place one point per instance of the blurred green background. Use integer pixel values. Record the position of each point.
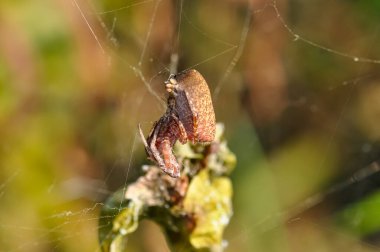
(301, 109)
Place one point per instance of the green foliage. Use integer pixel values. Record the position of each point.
(361, 218)
(210, 200)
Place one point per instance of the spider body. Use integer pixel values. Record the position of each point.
(160, 141)
(193, 105)
(189, 116)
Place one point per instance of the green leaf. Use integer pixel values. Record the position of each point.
(210, 200)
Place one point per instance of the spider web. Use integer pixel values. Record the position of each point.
(144, 101)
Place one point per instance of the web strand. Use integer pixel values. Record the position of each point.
(149, 31)
(89, 26)
(239, 51)
(297, 37)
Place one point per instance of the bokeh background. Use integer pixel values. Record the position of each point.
(296, 84)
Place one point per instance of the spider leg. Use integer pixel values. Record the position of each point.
(153, 148)
(182, 131)
(144, 141)
(171, 165)
(152, 130)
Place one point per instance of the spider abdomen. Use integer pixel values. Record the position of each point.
(194, 106)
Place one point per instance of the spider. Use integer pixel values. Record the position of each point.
(189, 116)
(162, 137)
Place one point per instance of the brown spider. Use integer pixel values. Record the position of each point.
(189, 116)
